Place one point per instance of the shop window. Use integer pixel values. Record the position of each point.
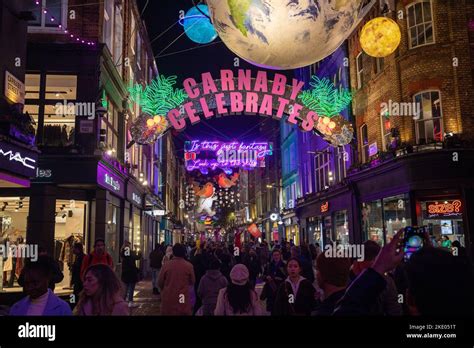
(322, 165)
(341, 228)
(112, 232)
(360, 70)
(396, 211)
(136, 242)
(372, 221)
(53, 108)
(420, 24)
(327, 231)
(429, 125)
(444, 225)
(386, 130)
(341, 158)
(55, 16)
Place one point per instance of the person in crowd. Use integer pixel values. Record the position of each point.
(40, 300)
(332, 275)
(252, 262)
(275, 274)
(314, 251)
(102, 294)
(130, 271)
(200, 263)
(296, 295)
(56, 274)
(430, 272)
(210, 285)
(446, 243)
(168, 255)
(238, 298)
(78, 250)
(225, 259)
(98, 256)
(387, 303)
(306, 263)
(264, 255)
(156, 260)
(175, 280)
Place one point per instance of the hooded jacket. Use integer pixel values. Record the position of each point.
(208, 290)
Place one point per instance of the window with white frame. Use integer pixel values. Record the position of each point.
(360, 70)
(420, 24)
(364, 137)
(50, 15)
(322, 165)
(429, 125)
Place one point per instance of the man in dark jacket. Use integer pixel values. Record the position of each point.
(156, 259)
(56, 275)
(129, 271)
(430, 272)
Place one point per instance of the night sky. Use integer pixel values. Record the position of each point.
(159, 15)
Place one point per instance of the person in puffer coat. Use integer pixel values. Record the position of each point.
(209, 286)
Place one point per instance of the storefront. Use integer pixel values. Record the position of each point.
(18, 163)
(327, 218)
(291, 227)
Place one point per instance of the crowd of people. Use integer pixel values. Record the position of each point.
(213, 278)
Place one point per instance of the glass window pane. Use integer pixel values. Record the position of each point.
(33, 111)
(372, 221)
(411, 16)
(436, 104)
(36, 10)
(437, 130)
(59, 123)
(421, 34)
(427, 11)
(61, 87)
(418, 13)
(32, 86)
(427, 114)
(54, 12)
(396, 214)
(429, 33)
(429, 130)
(421, 132)
(413, 35)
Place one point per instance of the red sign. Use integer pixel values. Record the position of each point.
(444, 209)
(324, 207)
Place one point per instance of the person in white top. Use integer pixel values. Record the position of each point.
(238, 298)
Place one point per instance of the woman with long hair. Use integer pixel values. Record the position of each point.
(130, 271)
(102, 293)
(296, 295)
(238, 298)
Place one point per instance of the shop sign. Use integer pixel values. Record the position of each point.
(274, 217)
(324, 207)
(14, 89)
(136, 198)
(435, 210)
(373, 149)
(158, 212)
(17, 161)
(86, 127)
(110, 181)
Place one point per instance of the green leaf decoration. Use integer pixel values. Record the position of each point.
(324, 98)
(159, 97)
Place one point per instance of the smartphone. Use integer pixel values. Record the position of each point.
(413, 240)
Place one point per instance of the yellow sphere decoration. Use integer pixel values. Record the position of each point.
(150, 122)
(157, 119)
(380, 37)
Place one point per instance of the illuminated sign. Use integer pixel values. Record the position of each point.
(444, 209)
(17, 157)
(136, 198)
(14, 89)
(373, 149)
(205, 155)
(324, 207)
(110, 181)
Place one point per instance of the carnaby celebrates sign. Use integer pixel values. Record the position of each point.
(240, 93)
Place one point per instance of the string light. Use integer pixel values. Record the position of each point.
(52, 19)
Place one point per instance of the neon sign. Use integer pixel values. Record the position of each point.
(324, 207)
(446, 209)
(205, 155)
(111, 182)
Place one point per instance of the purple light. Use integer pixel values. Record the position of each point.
(224, 155)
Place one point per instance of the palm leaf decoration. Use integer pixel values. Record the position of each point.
(159, 97)
(324, 98)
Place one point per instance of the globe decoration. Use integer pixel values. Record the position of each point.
(380, 37)
(280, 34)
(197, 26)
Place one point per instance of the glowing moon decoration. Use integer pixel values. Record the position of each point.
(282, 35)
(197, 26)
(380, 37)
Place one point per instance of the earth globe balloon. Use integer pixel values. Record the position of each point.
(282, 35)
(197, 26)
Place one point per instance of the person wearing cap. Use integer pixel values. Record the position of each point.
(296, 296)
(238, 298)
